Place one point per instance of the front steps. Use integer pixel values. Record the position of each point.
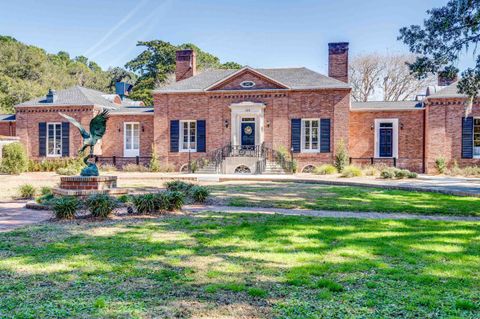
(207, 169)
(272, 168)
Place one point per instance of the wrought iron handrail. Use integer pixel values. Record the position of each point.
(269, 154)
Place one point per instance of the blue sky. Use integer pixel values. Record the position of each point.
(256, 33)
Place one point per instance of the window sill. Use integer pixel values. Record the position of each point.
(187, 151)
(310, 151)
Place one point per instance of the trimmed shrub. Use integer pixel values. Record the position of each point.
(14, 159)
(402, 173)
(351, 171)
(65, 207)
(52, 165)
(199, 194)
(101, 205)
(145, 203)
(179, 186)
(392, 172)
(341, 156)
(325, 169)
(441, 165)
(412, 175)
(26, 191)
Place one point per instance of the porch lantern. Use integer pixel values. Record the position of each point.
(226, 123)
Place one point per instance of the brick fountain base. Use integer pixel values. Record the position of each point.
(83, 186)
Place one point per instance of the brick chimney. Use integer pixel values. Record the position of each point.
(445, 78)
(338, 61)
(186, 65)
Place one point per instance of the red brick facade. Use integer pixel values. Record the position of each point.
(7, 128)
(422, 134)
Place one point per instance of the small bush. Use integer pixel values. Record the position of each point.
(341, 156)
(175, 200)
(14, 159)
(46, 199)
(154, 161)
(26, 191)
(325, 169)
(351, 171)
(45, 190)
(199, 194)
(388, 172)
(124, 199)
(101, 205)
(370, 170)
(145, 203)
(65, 207)
(68, 171)
(134, 168)
(441, 165)
(179, 186)
(392, 172)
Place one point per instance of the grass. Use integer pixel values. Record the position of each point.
(344, 198)
(252, 266)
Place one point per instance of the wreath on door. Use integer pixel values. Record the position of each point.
(248, 130)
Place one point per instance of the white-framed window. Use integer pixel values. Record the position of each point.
(310, 135)
(188, 136)
(247, 84)
(131, 139)
(54, 139)
(476, 137)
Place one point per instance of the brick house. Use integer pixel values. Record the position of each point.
(230, 121)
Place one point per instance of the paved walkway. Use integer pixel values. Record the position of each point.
(14, 215)
(323, 213)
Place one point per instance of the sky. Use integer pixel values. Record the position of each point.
(257, 33)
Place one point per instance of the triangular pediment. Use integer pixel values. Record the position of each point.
(247, 79)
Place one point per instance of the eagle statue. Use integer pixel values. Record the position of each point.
(98, 126)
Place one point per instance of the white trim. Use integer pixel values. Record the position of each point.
(302, 136)
(132, 152)
(180, 137)
(247, 109)
(47, 153)
(241, 70)
(395, 137)
(473, 138)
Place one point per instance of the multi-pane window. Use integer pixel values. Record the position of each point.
(54, 139)
(310, 135)
(188, 136)
(476, 137)
(132, 139)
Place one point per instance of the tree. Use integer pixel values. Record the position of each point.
(447, 33)
(387, 77)
(155, 66)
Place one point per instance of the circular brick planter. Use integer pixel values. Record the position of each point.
(86, 185)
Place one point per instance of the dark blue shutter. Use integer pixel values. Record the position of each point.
(324, 135)
(201, 136)
(42, 139)
(174, 135)
(467, 137)
(65, 139)
(296, 134)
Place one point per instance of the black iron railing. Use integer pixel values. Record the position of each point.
(122, 160)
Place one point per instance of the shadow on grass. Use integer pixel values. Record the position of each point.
(242, 265)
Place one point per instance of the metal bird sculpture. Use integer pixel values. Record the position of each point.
(98, 126)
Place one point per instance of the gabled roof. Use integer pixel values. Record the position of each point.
(386, 105)
(293, 78)
(132, 110)
(78, 95)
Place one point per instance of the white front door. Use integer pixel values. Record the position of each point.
(131, 140)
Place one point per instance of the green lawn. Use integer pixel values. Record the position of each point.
(344, 198)
(249, 266)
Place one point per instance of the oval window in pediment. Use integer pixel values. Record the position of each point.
(247, 84)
